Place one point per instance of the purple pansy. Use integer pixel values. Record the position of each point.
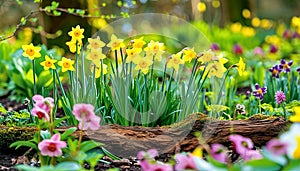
(259, 91)
(275, 70)
(273, 48)
(240, 109)
(298, 70)
(286, 66)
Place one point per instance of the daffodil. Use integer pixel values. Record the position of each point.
(98, 69)
(296, 117)
(115, 43)
(31, 51)
(132, 54)
(66, 64)
(95, 55)
(48, 63)
(95, 44)
(143, 64)
(241, 66)
(76, 33)
(207, 56)
(175, 61)
(215, 68)
(154, 50)
(72, 46)
(189, 55)
(138, 43)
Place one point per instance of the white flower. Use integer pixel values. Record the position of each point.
(290, 137)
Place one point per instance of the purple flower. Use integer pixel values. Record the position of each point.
(280, 97)
(273, 48)
(286, 66)
(295, 35)
(286, 34)
(275, 70)
(240, 109)
(251, 155)
(214, 47)
(259, 91)
(241, 144)
(259, 51)
(218, 152)
(184, 162)
(237, 49)
(277, 147)
(298, 70)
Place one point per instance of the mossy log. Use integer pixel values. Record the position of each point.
(127, 141)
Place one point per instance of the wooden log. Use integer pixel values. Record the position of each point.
(127, 141)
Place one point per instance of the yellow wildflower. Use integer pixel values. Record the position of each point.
(207, 56)
(72, 46)
(31, 51)
(236, 27)
(154, 49)
(76, 33)
(296, 117)
(175, 61)
(296, 154)
(48, 63)
(143, 64)
(132, 54)
(266, 24)
(95, 43)
(201, 7)
(241, 66)
(198, 152)
(248, 31)
(295, 21)
(255, 22)
(216, 68)
(138, 43)
(216, 3)
(246, 13)
(115, 43)
(66, 64)
(189, 55)
(95, 55)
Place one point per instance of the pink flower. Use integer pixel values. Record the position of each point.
(241, 144)
(150, 154)
(259, 51)
(52, 147)
(40, 113)
(251, 155)
(218, 152)
(44, 103)
(237, 49)
(93, 123)
(146, 166)
(280, 97)
(84, 113)
(184, 162)
(277, 147)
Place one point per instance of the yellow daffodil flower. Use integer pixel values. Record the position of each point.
(138, 43)
(31, 51)
(296, 117)
(207, 56)
(66, 64)
(72, 46)
(132, 54)
(255, 22)
(248, 31)
(246, 13)
(296, 154)
(115, 43)
(76, 33)
(95, 55)
(295, 21)
(216, 68)
(175, 61)
(48, 63)
(143, 64)
(189, 55)
(198, 152)
(236, 27)
(154, 50)
(95, 44)
(99, 68)
(241, 66)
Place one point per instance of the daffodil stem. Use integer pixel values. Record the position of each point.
(34, 81)
(76, 70)
(83, 75)
(116, 56)
(60, 85)
(164, 77)
(222, 85)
